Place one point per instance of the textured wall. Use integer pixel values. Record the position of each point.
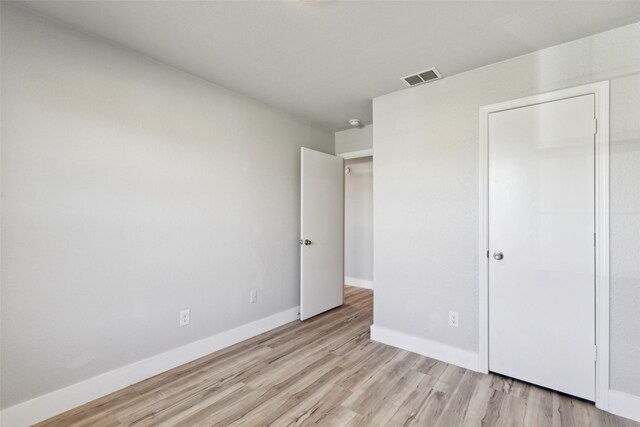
(132, 190)
(355, 139)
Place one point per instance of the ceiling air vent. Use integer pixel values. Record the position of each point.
(421, 77)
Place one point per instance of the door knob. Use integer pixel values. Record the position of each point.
(498, 255)
(305, 242)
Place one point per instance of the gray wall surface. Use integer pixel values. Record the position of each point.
(358, 219)
(426, 191)
(355, 139)
(132, 190)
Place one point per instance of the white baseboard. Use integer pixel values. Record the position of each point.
(56, 402)
(360, 283)
(435, 350)
(624, 404)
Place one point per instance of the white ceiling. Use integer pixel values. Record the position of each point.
(325, 60)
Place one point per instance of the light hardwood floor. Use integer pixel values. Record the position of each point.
(326, 371)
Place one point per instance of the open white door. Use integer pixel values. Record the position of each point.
(322, 234)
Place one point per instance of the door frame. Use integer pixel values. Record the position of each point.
(356, 154)
(600, 91)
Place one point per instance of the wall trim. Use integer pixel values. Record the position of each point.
(435, 350)
(64, 399)
(356, 154)
(360, 283)
(601, 92)
(624, 404)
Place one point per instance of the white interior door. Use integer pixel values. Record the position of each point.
(322, 233)
(541, 245)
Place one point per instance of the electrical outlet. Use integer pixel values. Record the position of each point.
(253, 297)
(185, 317)
(453, 319)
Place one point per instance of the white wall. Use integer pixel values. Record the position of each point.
(132, 190)
(358, 220)
(356, 139)
(426, 192)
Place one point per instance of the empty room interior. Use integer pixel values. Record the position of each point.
(320, 213)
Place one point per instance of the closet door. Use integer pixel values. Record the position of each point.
(541, 245)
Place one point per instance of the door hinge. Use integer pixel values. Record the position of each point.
(594, 240)
(595, 353)
(487, 254)
(595, 126)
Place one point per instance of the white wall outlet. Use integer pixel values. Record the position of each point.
(253, 296)
(185, 317)
(453, 318)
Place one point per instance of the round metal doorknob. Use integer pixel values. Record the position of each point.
(498, 255)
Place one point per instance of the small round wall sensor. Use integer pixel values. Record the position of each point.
(354, 122)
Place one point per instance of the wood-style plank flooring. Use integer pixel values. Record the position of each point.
(326, 371)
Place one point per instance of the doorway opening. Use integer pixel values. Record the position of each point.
(328, 227)
(358, 222)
